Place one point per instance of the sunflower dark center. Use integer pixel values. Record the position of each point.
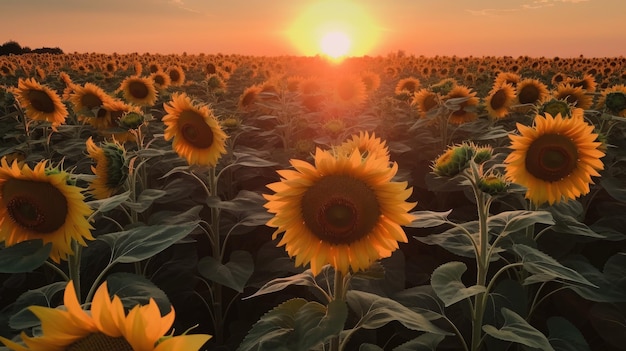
(174, 76)
(430, 102)
(41, 101)
(100, 342)
(552, 157)
(195, 130)
(616, 101)
(159, 79)
(498, 100)
(138, 89)
(36, 206)
(90, 101)
(340, 209)
(528, 95)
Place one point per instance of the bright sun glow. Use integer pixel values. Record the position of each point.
(335, 29)
(335, 44)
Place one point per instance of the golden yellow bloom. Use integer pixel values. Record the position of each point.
(40, 103)
(407, 86)
(499, 101)
(106, 328)
(343, 211)
(39, 203)
(425, 100)
(531, 91)
(161, 80)
(507, 78)
(573, 95)
(368, 145)
(196, 132)
(177, 75)
(587, 82)
(554, 159)
(463, 114)
(349, 91)
(139, 90)
(111, 169)
(88, 101)
(248, 98)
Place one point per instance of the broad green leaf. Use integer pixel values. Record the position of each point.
(146, 199)
(564, 336)
(304, 279)
(546, 268)
(244, 159)
(296, 325)
(134, 290)
(428, 219)
(143, 242)
(422, 298)
(376, 311)
(234, 274)
(24, 257)
(175, 217)
(447, 284)
(609, 227)
(110, 203)
(424, 342)
(615, 187)
(456, 240)
(611, 285)
(517, 330)
(23, 318)
(569, 225)
(518, 220)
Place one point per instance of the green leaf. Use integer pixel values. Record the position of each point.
(110, 203)
(609, 321)
(296, 325)
(615, 187)
(234, 274)
(134, 290)
(564, 336)
(24, 318)
(447, 284)
(546, 268)
(516, 329)
(514, 221)
(244, 159)
(376, 311)
(424, 342)
(428, 219)
(24, 256)
(304, 279)
(456, 240)
(143, 242)
(611, 284)
(146, 199)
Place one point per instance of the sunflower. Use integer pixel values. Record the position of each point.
(343, 211)
(407, 86)
(161, 80)
(116, 110)
(573, 95)
(349, 91)
(587, 82)
(499, 101)
(366, 144)
(613, 99)
(507, 77)
(425, 100)
(111, 169)
(176, 74)
(88, 101)
(139, 90)
(249, 97)
(196, 132)
(107, 327)
(39, 203)
(461, 114)
(40, 102)
(554, 159)
(531, 91)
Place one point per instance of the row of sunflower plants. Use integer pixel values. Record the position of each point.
(412, 216)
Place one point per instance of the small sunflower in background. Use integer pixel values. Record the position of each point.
(531, 91)
(349, 92)
(499, 101)
(407, 87)
(576, 96)
(554, 159)
(41, 203)
(425, 100)
(613, 100)
(343, 210)
(88, 101)
(105, 327)
(111, 168)
(464, 111)
(40, 103)
(176, 74)
(139, 90)
(161, 80)
(371, 80)
(197, 134)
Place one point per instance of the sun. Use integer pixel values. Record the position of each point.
(335, 29)
(335, 44)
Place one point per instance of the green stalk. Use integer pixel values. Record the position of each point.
(217, 254)
(337, 295)
(73, 264)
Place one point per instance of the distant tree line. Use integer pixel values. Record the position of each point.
(13, 47)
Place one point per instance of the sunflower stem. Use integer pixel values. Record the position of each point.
(217, 253)
(338, 294)
(73, 264)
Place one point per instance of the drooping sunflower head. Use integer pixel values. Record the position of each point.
(131, 120)
(444, 86)
(554, 159)
(555, 107)
(196, 132)
(139, 90)
(463, 111)
(425, 100)
(342, 211)
(111, 168)
(454, 160)
(40, 103)
(42, 203)
(613, 100)
(249, 97)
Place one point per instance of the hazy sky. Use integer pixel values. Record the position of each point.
(549, 28)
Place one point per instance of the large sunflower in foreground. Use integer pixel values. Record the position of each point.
(39, 203)
(343, 211)
(40, 102)
(554, 159)
(197, 134)
(106, 328)
(139, 90)
(111, 169)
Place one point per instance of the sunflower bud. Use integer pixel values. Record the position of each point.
(554, 106)
(483, 154)
(615, 101)
(492, 184)
(454, 160)
(131, 120)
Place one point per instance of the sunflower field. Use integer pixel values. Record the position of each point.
(229, 202)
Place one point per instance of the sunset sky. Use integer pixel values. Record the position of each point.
(564, 28)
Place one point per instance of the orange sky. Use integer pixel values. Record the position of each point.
(563, 28)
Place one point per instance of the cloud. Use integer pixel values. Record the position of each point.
(531, 5)
(491, 12)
